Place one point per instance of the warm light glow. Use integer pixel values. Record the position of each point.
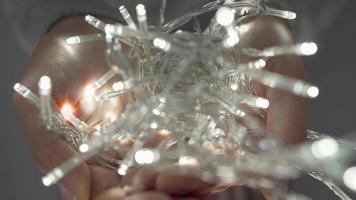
(67, 109)
(164, 133)
(225, 16)
(350, 178)
(89, 92)
(308, 48)
(87, 102)
(313, 92)
(145, 156)
(325, 148)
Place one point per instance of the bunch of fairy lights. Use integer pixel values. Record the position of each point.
(193, 91)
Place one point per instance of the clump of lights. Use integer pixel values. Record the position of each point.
(191, 90)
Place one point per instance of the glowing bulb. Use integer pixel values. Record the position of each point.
(308, 48)
(161, 44)
(231, 41)
(141, 10)
(84, 148)
(156, 112)
(260, 64)
(187, 160)
(325, 148)
(67, 109)
(122, 170)
(262, 103)
(154, 125)
(89, 92)
(126, 15)
(313, 91)
(291, 15)
(144, 156)
(73, 40)
(225, 16)
(350, 178)
(234, 87)
(46, 181)
(17, 86)
(118, 86)
(45, 83)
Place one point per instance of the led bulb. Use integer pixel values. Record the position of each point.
(187, 161)
(141, 10)
(325, 148)
(308, 48)
(225, 16)
(313, 92)
(67, 109)
(161, 44)
(118, 86)
(84, 148)
(262, 103)
(144, 156)
(45, 84)
(73, 40)
(46, 181)
(350, 178)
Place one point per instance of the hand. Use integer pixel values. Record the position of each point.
(70, 68)
(286, 116)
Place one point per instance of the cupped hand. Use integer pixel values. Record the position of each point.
(71, 67)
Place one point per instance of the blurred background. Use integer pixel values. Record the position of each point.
(333, 69)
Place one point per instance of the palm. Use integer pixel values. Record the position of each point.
(71, 67)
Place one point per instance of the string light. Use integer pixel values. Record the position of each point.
(191, 91)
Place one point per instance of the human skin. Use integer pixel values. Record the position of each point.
(71, 67)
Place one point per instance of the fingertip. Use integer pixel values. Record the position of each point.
(111, 194)
(149, 196)
(145, 178)
(177, 184)
(102, 179)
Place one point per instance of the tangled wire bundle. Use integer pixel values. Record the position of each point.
(194, 92)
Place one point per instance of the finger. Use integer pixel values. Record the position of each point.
(193, 198)
(145, 179)
(287, 113)
(102, 179)
(150, 195)
(176, 184)
(111, 194)
(156, 139)
(49, 151)
(127, 179)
